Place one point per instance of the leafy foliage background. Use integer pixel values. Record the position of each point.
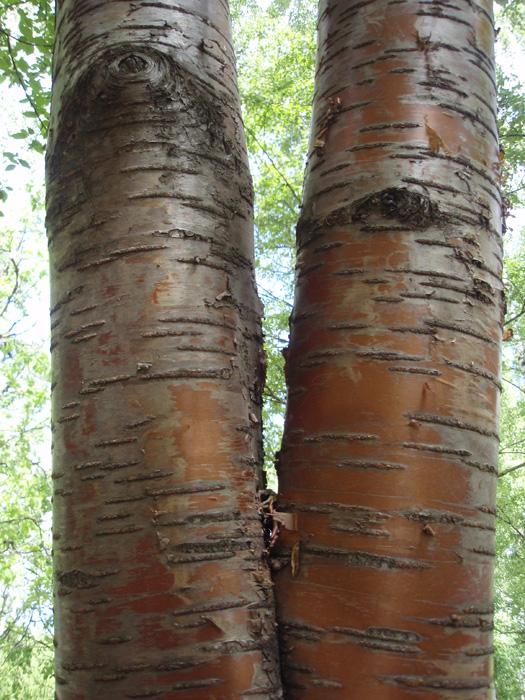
(276, 54)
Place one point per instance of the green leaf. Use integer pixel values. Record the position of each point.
(37, 146)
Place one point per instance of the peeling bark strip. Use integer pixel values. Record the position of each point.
(390, 440)
(156, 347)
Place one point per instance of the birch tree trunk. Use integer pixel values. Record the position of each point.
(388, 462)
(161, 589)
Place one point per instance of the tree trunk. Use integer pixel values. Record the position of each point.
(161, 589)
(388, 462)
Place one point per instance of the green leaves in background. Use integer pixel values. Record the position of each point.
(25, 576)
(275, 55)
(26, 45)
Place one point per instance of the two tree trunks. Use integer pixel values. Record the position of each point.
(388, 464)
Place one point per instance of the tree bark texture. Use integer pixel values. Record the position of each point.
(388, 462)
(160, 585)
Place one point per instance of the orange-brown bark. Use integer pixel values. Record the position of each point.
(388, 462)
(161, 590)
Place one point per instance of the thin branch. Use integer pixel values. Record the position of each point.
(514, 385)
(11, 296)
(507, 520)
(19, 40)
(274, 297)
(274, 166)
(511, 469)
(22, 84)
(273, 396)
(518, 315)
(506, 448)
(25, 634)
(516, 190)
(17, 520)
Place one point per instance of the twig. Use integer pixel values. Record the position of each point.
(22, 84)
(274, 166)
